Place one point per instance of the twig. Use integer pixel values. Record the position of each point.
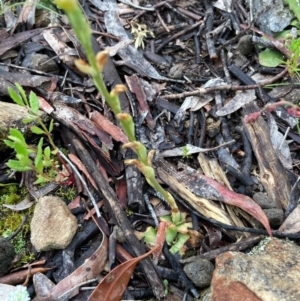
(203, 91)
(82, 181)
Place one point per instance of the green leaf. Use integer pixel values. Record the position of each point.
(171, 234)
(47, 163)
(40, 180)
(34, 102)
(294, 6)
(47, 152)
(9, 143)
(15, 97)
(39, 156)
(15, 165)
(270, 58)
(37, 130)
(21, 149)
(51, 125)
(150, 235)
(24, 160)
(39, 166)
(16, 135)
(296, 24)
(22, 92)
(29, 119)
(178, 246)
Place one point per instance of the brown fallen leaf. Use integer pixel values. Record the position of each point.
(90, 269)
(106, 125)
(113, 285)
(16, 39)
(208, 188)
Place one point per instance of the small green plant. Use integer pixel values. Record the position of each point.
(140, 32)
(177, 233)
(166, 284)
(29, 157)
(39, 159)
(273, 58)
(185, 152)
(293, 61)
(94, 68)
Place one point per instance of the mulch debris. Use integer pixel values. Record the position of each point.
(199, 97)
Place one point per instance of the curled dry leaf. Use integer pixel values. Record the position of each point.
(160, 240)
(113, 285)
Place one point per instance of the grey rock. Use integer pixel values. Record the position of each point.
(271, 273)
(275, 217)
(40, 62)
(53, 225)
(271, 15)
(263, 201)
(7, 254)
(177, 70)
(199, 271)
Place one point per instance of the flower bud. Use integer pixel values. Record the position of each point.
(128, 125)
(84, 66)
(139, 149)
(68, 5)
(101, 59)
(117, 90)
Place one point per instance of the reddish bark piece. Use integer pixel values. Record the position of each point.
(107, 126)
(160, 240)
(121, 189)
(93, 211)
(136, 88)
(122, 255)
(75, 203)
(45, 106)
(113, 285)
(73, 118)
(81, 167)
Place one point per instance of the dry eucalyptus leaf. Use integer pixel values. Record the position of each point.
(239, 100)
